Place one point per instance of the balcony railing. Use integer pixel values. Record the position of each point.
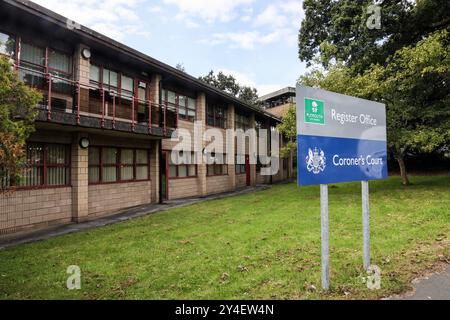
(90, 105)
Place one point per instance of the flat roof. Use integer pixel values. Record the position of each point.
(84, 32)
(281, 92)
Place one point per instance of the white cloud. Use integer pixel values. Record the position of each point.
(248, 80)
(208, 10)
(248, 40)
(271, 16)
(277, 22)
(114, 18)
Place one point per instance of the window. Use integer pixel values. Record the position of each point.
(107, 165)
(94, 75)
(241, 122)
(216, 116)
(7, 45)
(239, 164)
(127, 87)
(59, 63)
(110, 80)
(186, 165)
(143, 96)
(46, 165)
(218, 167)
(186, 106)
(32, 54)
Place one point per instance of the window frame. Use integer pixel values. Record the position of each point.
(242, 120)
(176, 105)
(118, 165)
(240, 166)
(44, 165)
(177, 166)
(214, 166)
(217, 121)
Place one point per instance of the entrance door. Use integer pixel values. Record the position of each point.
(247, 170)
(164, 186)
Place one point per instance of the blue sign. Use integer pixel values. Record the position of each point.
(340, 138)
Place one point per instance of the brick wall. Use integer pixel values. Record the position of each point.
(26, 209)
(183, 188)
(218, 184)
(241, 180)
(109, 198)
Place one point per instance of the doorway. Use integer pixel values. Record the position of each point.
(164, 186)
(247, 170)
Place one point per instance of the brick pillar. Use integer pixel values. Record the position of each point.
(82, 73)
(155, 170)
(252, 166)
(154, 157)
(200, 145)
(79, 180)
(231, 147)
(154, 87)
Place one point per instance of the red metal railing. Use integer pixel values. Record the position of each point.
(48, 83)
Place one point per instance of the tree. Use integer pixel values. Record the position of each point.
(230, 85)
(17, 116)
(180, 66)
(248, 95)
(288, 128)
(415, 87)
(337, 30)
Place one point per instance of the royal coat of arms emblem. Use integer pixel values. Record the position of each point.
(315, 161)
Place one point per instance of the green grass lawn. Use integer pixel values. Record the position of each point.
(264, 245)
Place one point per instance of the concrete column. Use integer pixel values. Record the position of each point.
(232, 148)
(201, 126)
(79, 180)
(155, 170)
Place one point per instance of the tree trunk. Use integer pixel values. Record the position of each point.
(401, 164)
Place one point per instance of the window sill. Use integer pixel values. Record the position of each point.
(117, 182)
(182, 178)
(13, 189)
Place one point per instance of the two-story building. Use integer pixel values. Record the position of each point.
(102, 134)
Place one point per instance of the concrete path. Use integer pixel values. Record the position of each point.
(433, 287)
(121, 216)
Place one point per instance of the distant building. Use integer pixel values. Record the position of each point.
(278, 102)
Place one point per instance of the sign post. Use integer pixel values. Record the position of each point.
(365, 223)
(324, 236)
(340, 139)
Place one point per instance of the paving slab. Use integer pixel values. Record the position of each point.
(431, 287)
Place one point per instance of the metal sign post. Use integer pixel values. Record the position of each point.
(365, 223)
(340, 139)
(324, 236)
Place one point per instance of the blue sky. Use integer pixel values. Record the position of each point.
(254, 40)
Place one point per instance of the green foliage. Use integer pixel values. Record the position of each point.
(337, 30)
(230, 85)
(288, 128)
(17, 115)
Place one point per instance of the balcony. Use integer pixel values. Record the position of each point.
(69, 102)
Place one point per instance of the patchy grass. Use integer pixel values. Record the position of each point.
(264, 245)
